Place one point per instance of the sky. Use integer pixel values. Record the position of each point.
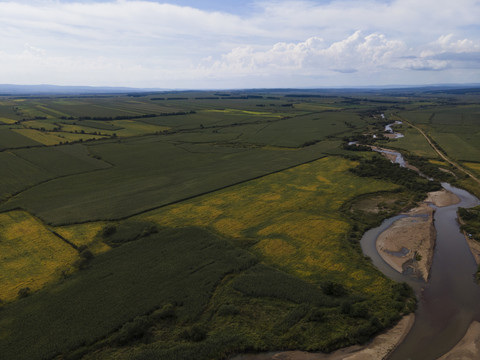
(218, 44)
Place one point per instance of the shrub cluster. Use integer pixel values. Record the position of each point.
(380, 168)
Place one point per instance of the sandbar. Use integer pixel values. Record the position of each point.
(469, 347)
(407, 245)
(442, 198)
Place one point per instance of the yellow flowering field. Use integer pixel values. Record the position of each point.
(293, 217)
(30, 255)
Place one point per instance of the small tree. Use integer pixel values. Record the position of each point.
(109, 231)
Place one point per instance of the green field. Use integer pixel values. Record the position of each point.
(143, 176)
(31, 256)
(9, 139)
(197, 225)
(455, 128)
(75, 312)
(413, 142)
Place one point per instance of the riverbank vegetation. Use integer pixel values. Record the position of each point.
(470, 225)
(196, 225)
(470, 222)
(380, 168)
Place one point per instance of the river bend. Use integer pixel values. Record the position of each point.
(450, 301)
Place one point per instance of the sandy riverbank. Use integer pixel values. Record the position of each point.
(407, 245)
(378, 349)
(474, 248)
(469, 347)
(442, 198)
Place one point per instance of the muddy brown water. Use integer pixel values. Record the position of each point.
(450, 301)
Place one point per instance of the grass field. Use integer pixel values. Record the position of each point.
(439, 162)
(31, 256)
(291, 220)
(70, 314)
(17, 174)
(293, 217)
(44, 138)
(9, 139)
(85, 235)
(24, 168)
(475, 167)
(5, 120)
(463, 147)
(143, 176)
(64, 160)
(413, 142)
(203, 223)
(455, 128)
(294, 132)
(39, 124)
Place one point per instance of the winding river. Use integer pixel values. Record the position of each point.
(390, 130)
(450, 300)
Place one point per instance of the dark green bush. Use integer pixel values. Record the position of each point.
(132, 331)
(317, 315)
(228, 310)
(264, 281)
(127, 231)
(108, 231)
(166, 312)
(24, 292)
(333, 289)
(194, 333)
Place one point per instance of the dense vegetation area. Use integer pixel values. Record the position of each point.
(379, 168)
(470, 221)
(196, 225)
(470, 225)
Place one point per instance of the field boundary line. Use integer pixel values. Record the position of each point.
(11, 196)
(63, 239)
(179, 200)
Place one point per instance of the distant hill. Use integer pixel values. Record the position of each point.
(16, 90)
(10, 89)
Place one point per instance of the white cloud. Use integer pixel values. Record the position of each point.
(449, 43)
(447, 52)
(313, 56)
(148, 43)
